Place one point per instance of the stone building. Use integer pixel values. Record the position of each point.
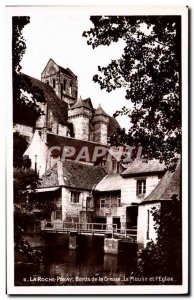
(63, 114)
(63, 81)
(69, 185)
(117, 196)
(89, 194)
(167, 189)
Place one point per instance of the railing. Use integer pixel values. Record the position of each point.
(98, 228)
(79, 227)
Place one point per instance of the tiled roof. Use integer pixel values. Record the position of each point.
(168, 186)
(138, 167)
(54, 140)
(81, 176)
(50, 179)
(45, 92)
(110, 182)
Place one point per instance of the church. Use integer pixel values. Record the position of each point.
(63, 113)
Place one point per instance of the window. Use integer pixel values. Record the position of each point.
(119, 201)
(70, 88)
(102, 203)
(58, 214)
(75, 197)
(141, 187)
(64, 84)
(47, 82)
(54, 83)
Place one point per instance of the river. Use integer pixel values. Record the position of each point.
(86, 265)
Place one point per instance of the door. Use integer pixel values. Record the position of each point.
(117, 221)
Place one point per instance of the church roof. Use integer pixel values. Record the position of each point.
(167, 187)
(89, 102)
(138, 167)
(81, 103)
(99, 111)
(68, 72)
(61, 141)
(46, 93)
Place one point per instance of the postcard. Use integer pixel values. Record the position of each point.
(97, 150)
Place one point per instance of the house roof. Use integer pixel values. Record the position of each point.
(81, 176)
(46, 93)
(50, 179)
(110, 182)
(167, 187)
(138, 167)
(60, 141)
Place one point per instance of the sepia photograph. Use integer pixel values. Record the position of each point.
(98, 187)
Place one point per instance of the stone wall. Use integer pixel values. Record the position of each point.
(129, 186)
(100, 133)
(81, 127)
(63, 130)
(71, 211)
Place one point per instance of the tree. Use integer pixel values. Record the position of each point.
(26, 107)
(164, 257)
(19, 147)
(149, 70)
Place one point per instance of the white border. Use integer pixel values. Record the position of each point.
(141, 10)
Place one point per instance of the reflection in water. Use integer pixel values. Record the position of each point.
(84, 266)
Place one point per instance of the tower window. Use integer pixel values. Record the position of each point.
(47, 82)
(54, 83)
(70, 88)
(64, 84)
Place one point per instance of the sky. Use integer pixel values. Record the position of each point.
(58, 35)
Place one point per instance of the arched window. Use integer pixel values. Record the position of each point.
(64, 84)
(70, 88)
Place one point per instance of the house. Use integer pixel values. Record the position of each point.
(167, 189)
(68, 186)
(117, 196)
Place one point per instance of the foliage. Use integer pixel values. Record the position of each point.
(19, 147)
(149, 70)
(26, 108)
(164, 258)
